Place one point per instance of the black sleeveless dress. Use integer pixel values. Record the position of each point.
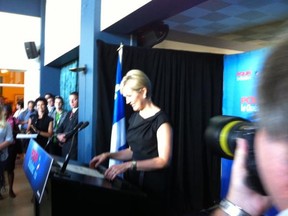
(142, 138)
(41, 125)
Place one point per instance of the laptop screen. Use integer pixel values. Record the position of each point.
(37, 165)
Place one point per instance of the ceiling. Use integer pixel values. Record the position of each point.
(231, 24)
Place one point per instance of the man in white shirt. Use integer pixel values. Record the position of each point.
(50, 103)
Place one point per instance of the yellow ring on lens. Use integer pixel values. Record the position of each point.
(224, 137)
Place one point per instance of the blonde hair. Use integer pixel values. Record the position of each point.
(3, 121)
(141, 81)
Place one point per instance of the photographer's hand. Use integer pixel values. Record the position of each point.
(239, 193)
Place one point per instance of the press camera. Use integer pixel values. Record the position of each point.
(221, 135)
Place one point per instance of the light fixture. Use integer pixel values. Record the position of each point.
(4, 71)
(78, 69)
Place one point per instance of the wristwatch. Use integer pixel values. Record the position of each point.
(232, 209)
(134, 165)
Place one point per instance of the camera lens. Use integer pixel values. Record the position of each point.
(220, 134)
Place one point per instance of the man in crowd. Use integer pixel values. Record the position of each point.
(64, 135)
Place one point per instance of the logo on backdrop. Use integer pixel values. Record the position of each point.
(243, 75)
(248, 104)
(246, 75)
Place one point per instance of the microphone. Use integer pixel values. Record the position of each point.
(49, 140)
(67, 158)
(84, 125)
(33, 128)
(75, 130)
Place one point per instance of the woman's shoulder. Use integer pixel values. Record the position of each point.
(33, 115)
(162, 117)
(47, 117)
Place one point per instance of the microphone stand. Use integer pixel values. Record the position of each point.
(62, 172)
(67, 158)
(49, 140)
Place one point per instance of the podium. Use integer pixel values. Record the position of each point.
(80, 193)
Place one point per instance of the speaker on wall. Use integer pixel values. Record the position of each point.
(31, 50)
(152, 34)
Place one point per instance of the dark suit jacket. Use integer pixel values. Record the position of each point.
(69, 123)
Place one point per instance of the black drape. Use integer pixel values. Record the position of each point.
(188, 87)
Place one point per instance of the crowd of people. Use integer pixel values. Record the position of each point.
(146, 162)
(43, 116)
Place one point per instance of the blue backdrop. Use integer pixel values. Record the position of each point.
(241, 72)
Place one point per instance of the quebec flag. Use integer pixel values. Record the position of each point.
(118, 135)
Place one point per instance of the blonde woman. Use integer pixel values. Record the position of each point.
(6, 139)
(146, 162)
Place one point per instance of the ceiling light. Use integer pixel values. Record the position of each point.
(4, 71)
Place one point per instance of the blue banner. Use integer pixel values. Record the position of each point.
(241, 72)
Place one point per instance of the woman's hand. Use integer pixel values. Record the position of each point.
(97, 160)
(117, 169)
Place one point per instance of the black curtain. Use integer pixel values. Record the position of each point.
(186, 85)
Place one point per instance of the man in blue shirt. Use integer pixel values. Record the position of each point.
(23, 122)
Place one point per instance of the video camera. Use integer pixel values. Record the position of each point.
(221, 135)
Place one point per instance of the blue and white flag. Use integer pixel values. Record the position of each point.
(118, 135)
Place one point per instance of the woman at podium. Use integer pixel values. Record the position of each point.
(146, 161)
